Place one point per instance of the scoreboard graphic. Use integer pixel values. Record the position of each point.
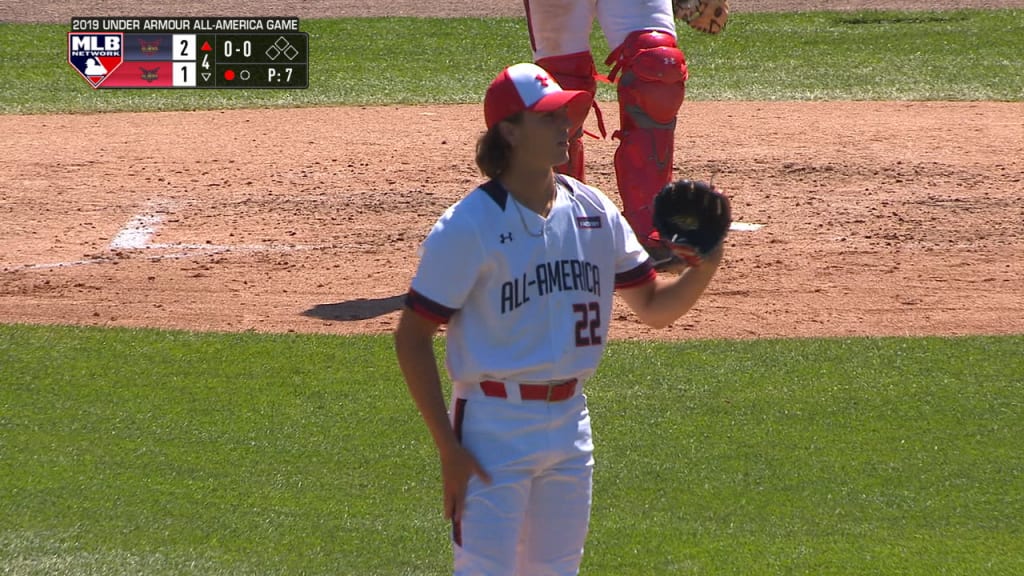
(213, 53)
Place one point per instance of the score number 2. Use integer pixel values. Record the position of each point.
(589, 323)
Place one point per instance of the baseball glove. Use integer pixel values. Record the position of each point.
(692, 219)
(705, 15)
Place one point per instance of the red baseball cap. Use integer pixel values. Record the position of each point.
(529, 87)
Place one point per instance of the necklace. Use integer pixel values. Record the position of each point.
(523, 218)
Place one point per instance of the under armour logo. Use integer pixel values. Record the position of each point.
(543, 80)
(505, 237)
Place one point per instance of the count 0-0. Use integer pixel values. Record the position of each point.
(229, 48)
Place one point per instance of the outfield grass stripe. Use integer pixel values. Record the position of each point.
(954, 55)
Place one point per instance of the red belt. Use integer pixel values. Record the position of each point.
(546, 392)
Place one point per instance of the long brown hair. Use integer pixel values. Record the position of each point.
(493, 152)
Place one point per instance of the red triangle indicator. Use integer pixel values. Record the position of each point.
(205, 47)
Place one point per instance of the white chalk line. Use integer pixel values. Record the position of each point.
(139, 230)
(60, 264)
(137, 233)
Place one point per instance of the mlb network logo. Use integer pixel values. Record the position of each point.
(95, 55)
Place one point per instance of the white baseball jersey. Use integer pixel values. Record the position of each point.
(560, 27)
(527, 298)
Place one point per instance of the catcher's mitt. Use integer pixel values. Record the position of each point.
(705, 15)
(692, 219)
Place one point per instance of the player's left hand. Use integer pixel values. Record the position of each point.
(705, 15)
(692, 219)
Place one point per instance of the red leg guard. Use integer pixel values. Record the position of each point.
(651, 90)
(573, 72)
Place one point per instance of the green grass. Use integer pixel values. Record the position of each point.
(884, 456)
(148, 452)
(957, 55)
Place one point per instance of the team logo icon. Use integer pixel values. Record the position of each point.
(95, 55)
(149, 47)
(150, 75)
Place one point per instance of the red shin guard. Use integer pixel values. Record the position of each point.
(651, 90)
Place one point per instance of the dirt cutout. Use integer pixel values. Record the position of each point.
(875, 218)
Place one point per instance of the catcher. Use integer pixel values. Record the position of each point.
(650, 71)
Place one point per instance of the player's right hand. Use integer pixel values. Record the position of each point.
(457, 467)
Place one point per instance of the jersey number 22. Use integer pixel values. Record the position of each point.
(589, 323)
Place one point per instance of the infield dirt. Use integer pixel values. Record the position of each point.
(878, 218)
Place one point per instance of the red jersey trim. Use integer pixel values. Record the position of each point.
(427, 308)
(642, 274)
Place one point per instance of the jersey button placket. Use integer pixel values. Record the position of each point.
(552, 302)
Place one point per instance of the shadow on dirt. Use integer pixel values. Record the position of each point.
(359, 309)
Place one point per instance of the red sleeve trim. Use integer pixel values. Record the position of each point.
(642, 274)
(428, 308)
